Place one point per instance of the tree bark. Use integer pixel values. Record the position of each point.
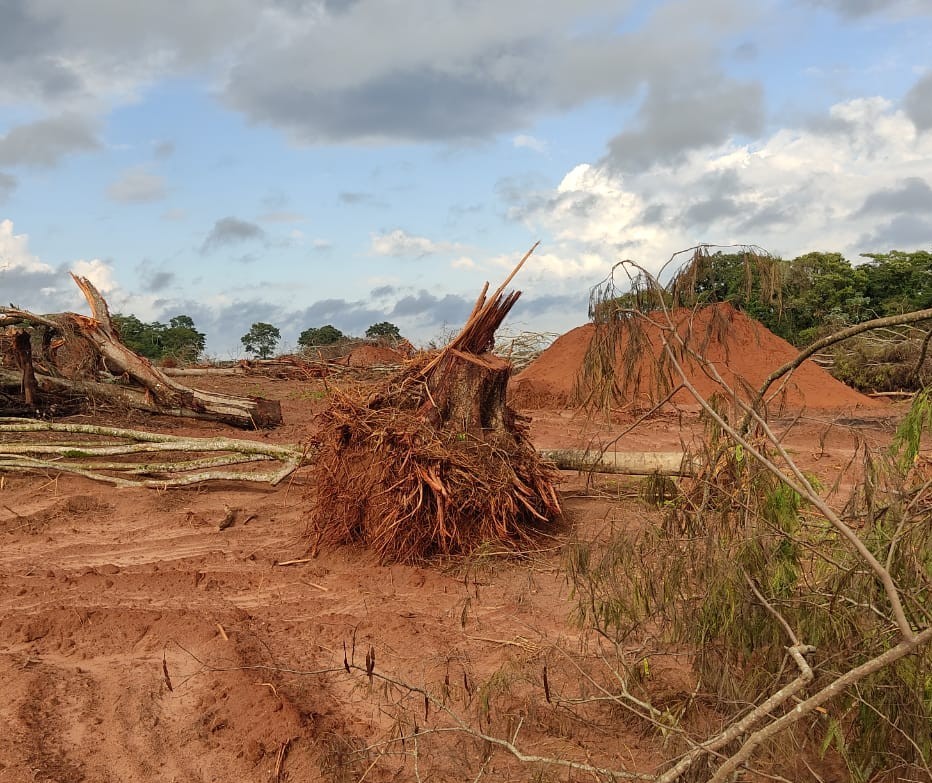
(631, 463)
(22, 351)
(159, 392)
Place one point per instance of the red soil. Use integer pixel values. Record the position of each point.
(140, 642)
(373, 356)
(743, 351)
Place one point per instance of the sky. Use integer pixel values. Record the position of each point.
(345, 162)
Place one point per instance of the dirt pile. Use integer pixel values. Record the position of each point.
(743, 351)
(373, 356)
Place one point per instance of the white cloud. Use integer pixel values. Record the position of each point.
(564, 263)
(400, 244)
(529, 142)
(14, 252)
(32, 283)
(463, 262)
(98, 272)
(798, 190)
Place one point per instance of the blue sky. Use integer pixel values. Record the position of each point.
(306, 162)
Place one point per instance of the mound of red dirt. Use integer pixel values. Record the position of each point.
(373, 356)
(742, 349)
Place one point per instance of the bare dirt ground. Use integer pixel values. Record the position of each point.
(140, 642)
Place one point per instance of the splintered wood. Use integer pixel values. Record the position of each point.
(68, 352)
(434, 462)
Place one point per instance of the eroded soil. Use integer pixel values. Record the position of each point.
(140, 642)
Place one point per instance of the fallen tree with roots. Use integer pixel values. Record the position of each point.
(83, 356)
(434, 461)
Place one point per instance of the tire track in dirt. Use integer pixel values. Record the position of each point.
(94, 594)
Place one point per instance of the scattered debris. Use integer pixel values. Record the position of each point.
(228, 519)
(77, 353)
(185, 461)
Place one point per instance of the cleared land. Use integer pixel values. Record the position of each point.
(138, 641)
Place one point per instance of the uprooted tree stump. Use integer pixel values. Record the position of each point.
(67, 352)
(435, 463)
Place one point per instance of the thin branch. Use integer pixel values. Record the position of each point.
(739, 728)
(798, 482)
(769, 607)
(724, 772)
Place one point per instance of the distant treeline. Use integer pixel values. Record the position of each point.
(816, 294)
(179, 339)
(801, 300)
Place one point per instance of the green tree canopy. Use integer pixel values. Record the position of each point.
(799, 299)
(898, 282)
(821, 291)
(320, 335)
(261, 339)
(383, 330)
(180, 339)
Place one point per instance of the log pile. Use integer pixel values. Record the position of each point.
(434, 462)
(132, 458)
(77, 354)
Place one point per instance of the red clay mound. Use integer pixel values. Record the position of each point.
(374, 356)
(743, 351)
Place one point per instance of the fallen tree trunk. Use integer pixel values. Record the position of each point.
(631, 463)
(159, 392)
(142, 399)
(116, 460)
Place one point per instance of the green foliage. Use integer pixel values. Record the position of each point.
(823, 292)
(893, 365)
(179, 340)
(689, 580)
(798, 299)
(261, 339)
(803, 300)
(898, 282)
(915, 424)
(320, 335)
(384, 330)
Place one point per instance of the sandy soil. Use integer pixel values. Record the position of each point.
(741, 349)
(139, 642)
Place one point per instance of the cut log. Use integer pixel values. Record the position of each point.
(631, 463)
(158, 391)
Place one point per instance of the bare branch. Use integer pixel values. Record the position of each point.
(849, 678)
